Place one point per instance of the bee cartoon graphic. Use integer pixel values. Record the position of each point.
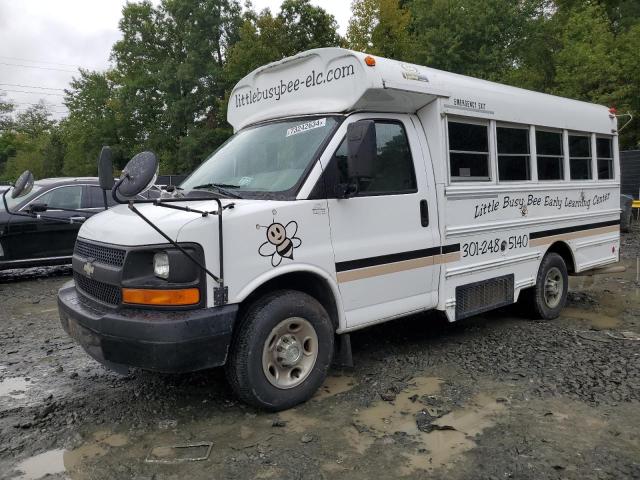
(281, 241)
(524, 210)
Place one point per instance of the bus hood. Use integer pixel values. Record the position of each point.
(121, 226)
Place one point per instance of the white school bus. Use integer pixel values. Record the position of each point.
(355, 190)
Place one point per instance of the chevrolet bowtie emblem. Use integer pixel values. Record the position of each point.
(88, 269)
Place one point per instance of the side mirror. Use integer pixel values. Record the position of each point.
(23, 185)
(105, 168)
(38, 207)
(361, 149)
(138, 176)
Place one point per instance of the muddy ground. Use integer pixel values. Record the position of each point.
(492, 397)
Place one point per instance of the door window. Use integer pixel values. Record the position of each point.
(393, 171)
(63, 197)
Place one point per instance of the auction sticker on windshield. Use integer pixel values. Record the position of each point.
(305, 127)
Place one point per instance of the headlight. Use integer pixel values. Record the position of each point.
(161, 265)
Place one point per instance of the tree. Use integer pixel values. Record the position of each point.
(380, 27)
(168, 68)
(31, 140)
(94, 120)
(266, 38)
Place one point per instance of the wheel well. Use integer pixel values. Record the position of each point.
(562, 249)
(305, 282)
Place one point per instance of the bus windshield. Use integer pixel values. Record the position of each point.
(269, 158)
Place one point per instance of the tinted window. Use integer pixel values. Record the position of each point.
(94, 199)
(393, 170)
(63, 197)
(513, 153)
(604, 149)
(580, 157)
(468, 151)
(549, 143)
(550, 155)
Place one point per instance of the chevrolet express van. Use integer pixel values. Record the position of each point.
(355, 190)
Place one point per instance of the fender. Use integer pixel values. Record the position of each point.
(297, 268)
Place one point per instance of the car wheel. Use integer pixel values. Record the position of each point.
(549, 296)
(281, 351)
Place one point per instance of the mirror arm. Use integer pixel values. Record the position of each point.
(114, 191)
(174, 243)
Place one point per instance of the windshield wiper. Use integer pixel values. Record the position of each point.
(219, 187)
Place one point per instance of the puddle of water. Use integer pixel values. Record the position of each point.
(446, 445)
(297, 422)
(60, 460)
(334, 385)
(597, 321)
(440, 447)
(360, 442)
(397, 416)
(14, 387)
(47, 463)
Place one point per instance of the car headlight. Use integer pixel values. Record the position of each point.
(161, 265)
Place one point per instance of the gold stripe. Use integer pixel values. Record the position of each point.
(402, 266)
(448, 258)
(573, 235)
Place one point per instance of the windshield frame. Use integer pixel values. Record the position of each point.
(292, 192)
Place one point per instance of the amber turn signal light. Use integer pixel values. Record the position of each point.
(370, 61)
(183, 296)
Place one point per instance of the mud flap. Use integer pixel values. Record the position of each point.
(342, 356)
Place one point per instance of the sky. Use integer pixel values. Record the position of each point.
(43, 42)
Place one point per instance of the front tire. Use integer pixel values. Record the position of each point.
(281, 351)
(549, 296)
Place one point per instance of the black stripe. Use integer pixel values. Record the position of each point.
(450, 248)
(560, 231)
(394, 258)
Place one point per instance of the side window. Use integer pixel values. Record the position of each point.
(93, 198)
(393, 170)
(468, 151)
(580, 157)
(550, 155)
(63, 197)
(513, 153)
(604, 149)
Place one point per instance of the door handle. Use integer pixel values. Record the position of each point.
(424, 213)
(77, 219)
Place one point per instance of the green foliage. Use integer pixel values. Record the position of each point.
(177, 61)
(265, 38)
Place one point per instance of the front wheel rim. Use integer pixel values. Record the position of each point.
(290, 352)
(553, 287)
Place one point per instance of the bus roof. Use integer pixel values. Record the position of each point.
(335, 80)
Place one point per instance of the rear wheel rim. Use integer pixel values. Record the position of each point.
(553, 287)
(290, 352)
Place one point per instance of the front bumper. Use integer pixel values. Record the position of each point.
(163, 341)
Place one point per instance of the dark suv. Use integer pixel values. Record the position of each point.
(29, 242)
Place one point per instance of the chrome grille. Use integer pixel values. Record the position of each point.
(100, 253)
(103, 292)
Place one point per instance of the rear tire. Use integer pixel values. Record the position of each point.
(281, 351)
(546, 300)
